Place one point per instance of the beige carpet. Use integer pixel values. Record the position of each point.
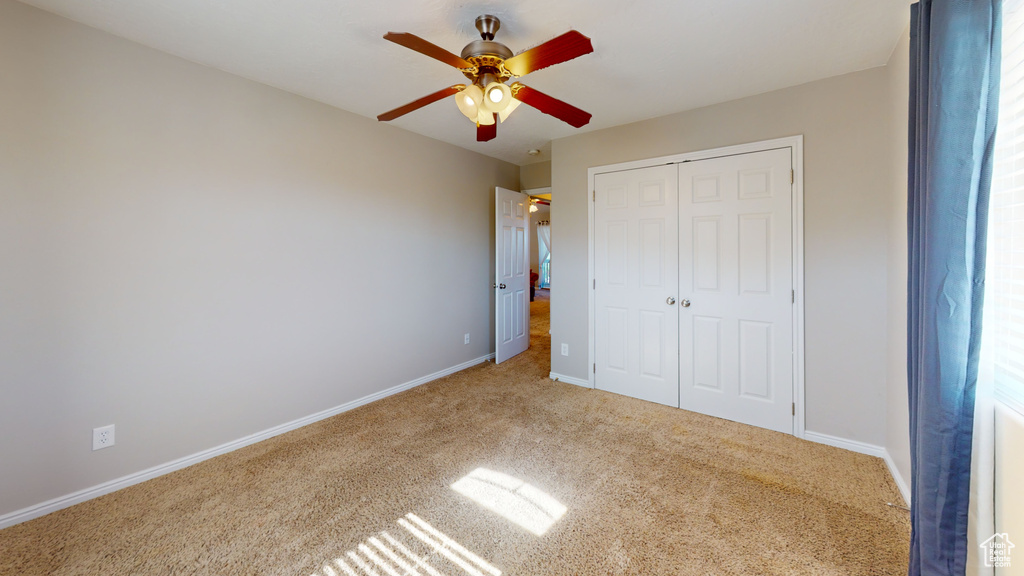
(612, 485)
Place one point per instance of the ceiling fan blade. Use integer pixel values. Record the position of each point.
(413, 42)
(488, 132)
(553, 106)
(555, 51)
(429, 99)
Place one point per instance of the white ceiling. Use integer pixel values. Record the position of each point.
(651, 57)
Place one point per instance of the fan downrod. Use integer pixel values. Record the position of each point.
(488, 26)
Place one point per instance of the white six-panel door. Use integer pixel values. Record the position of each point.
(735, 248)
(636, 270)
(511, 274)
(693, 286)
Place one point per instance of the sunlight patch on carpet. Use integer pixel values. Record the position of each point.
(426, 551)
(513, 499)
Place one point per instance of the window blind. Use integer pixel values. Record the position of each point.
(1004, 278)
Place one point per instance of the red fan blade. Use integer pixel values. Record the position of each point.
(570, 45)
(553, 106)
(489, 132)
(403, 110)
(420, 45)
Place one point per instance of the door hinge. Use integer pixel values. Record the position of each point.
(794, 296)
(792, 176)
(594, 196)
(595, 368)
(595, 283)
(794, 408)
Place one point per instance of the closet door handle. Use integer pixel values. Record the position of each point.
(670, 301)
(684, 303)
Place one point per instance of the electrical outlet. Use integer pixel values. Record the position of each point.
(565, 349)
(102, 437)
(467, 338)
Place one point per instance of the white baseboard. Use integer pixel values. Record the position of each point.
(42, 509)
(570, 380)
(870, 450)
(851, 445)
(900, 482)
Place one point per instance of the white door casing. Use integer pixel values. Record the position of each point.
(636, 274)
(735, 247)
(511, 274)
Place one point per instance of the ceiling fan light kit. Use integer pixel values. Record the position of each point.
(497, 97)
(512, 105)
(485, 118)
(469, 101)
(489, 65)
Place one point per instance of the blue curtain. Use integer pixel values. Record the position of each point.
(954, 85)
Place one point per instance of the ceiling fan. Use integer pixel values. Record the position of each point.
(489, 65)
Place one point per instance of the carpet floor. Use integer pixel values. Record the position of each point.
(493, 470)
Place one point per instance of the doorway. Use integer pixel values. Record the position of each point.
(696, 268)
(540, 233)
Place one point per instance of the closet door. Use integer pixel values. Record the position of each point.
(636, 279)
(735, 288)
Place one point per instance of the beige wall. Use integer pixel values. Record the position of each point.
(848, 187)
(897, 433)
(535, 175)
(195, 257)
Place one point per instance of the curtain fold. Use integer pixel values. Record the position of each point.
(544, 252)
(954, 79)
(544, 235)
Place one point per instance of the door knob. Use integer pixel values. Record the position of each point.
(670, 301)
(684, 303)
(502, 286)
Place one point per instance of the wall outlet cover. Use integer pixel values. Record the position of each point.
(565, 349)
(102, 437)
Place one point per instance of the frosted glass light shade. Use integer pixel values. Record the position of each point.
(469, 101)
(512, 105)
(485, 118)
(496, 97)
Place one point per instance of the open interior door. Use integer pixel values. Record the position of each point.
(511, 274)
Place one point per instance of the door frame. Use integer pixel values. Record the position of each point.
(796, 145)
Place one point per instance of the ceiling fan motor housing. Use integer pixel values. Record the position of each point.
(486, 54)
(483, 48)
